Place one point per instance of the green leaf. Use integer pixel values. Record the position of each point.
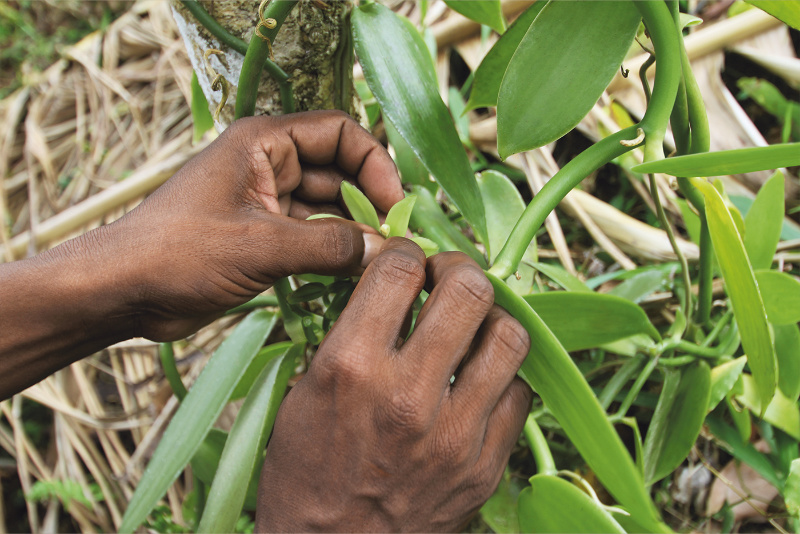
(500, 511)
(557, 73)
(428, 247)
(780, 412)
(723, 377)
(197, 414)
(677, 420)
(488, 12)
(394, 65)
(412, 171)
(585, 320)
(489, 74)
(690, 219)
(763, 223)
(787, 12)
(428, 219)
(359, 205)
(263, 357)
(724, 162)
(201, 116)
(781, 295)
(787, 347)
(504, 206)
(552, 504)
(642, 285)
(398, 216)
(791, 492)
(740, 283)
(562, 387)
(742, 450)
(244, 449)
(206, 459)
(562, 277)
(458, 112)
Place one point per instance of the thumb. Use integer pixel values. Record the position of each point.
(322, 246)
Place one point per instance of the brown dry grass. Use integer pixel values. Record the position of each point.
(82, 144)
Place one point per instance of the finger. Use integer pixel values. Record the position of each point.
(505, 425)
(304, 210)
(384, 296)
(460, 298)
(283, 246)
(326, 137)
(501, 347)
(321, 183)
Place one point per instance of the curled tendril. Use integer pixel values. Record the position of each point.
(268, 23)
(218, 81)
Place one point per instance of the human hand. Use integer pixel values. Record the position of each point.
(226, 225)
(375, 437)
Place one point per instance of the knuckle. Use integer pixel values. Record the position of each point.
(511, 336)
(453, 445)
(403, 411)
(468, 283)
(399, 266)
(342, 368)
(340, 245)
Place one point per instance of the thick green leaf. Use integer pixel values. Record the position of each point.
(263, 357)
(585, 320)
(504, 206)
(428, 247)
(690, 219)
(206, 459)
(781, 295)
(359, 205)
(394, 67)
(201, 117)
(738, 161)
(740, 283)
(197, 414)
(723, 377)
(677, 420)
(500, 511)
(488, 12)
(787, 347)
(489, 74)
(562, 387)
(398, 216)
(245, 446)
(562, 277)
(412, 171)
(558, 73)
(781, 412)
(428, 220)
(552, 504)
(763, 223)
(740, 415)
(783, 10)
(791, 492)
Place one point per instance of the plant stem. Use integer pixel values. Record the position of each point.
(258, 52)
(217, 30)
(666, 45)
(292, 322)
(552, 193)
(620, 378)
(634, 391)
(167, 355)
(261, 301)
(667, 227)
(545, 464)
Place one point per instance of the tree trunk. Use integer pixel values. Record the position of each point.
(313, 47)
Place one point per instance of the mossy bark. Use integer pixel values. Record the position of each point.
(313, 47)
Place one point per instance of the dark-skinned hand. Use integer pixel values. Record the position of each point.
(375, 437)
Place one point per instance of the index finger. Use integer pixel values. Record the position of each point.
(325, 137)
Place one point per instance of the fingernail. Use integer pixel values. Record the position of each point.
(372, 245)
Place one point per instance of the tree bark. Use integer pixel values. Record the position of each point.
(313, 47)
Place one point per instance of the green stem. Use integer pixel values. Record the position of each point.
(666, 45)
(667, 227)
(292, 322)
(217, 30)
(167, 355)
(261, 301)
(712, 336)
(679, 119)
(256, 57)
(552, 193)
(635, 389)
(620, 378)
(545, 464)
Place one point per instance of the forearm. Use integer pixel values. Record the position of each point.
(58, 307)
